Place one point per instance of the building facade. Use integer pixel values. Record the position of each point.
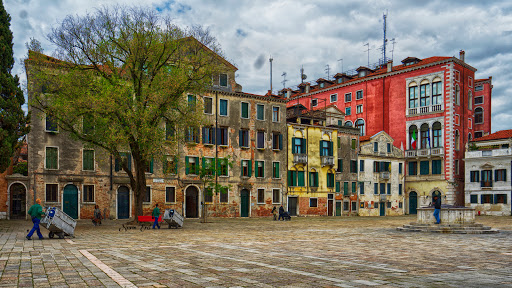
(482, 111)
(381, 176)
(425, 105)
(346, 173)
(488, 174)
(244, 137)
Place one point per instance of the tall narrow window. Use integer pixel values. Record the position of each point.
(298, 145)
(223, 195)
(191, 101)
(457, 140)
(244, 110)
(470, 100)
(88, 193)
(223, 107)
(413, 137)
(192, 165)
(413, 168)
(223, 166)
(260, 139)
(123, 157)
(209, 135)
(486, 178)
(243, 138)
(51, 124)
(88, 160)
(223, 80)
(52, 158)
(169, 130)
(359, 95)
(425, 135)
(147, 195)
(170, 194)
(360, 125)
(313, 178)
(275, 170)
(52, 193)
(208, 105)
(246, 168)
(170, 165)
(260, 112)
(425, 94)
(436, 93)
(88, 124)
(261, 196)
(222, 136)
(413, 96)
(259, 168)
(436, 135)
(275, 114)
(277, 141)
(457, 94)
(275, 196)
(479, 115)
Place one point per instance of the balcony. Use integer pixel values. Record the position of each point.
(384, 175)
(327, 160)
(300, 158)
(438, 151)
(424, 110)
(384, 197)
(489, 153)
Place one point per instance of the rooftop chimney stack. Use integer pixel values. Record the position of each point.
(461, 55)
(308, 86)
(390, 66)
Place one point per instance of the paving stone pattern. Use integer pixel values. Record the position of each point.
(304, 252)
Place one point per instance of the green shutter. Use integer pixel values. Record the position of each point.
(290, 183)
(256, 174)
(151, 166)
(338, 188)
(250, 167)
(300, 179)
(280, 141)
(294, 149)
(245, 110)
(354, 187)
(176, 164)
(389, 188)
(303, 145)
(316, 179)
(345, 188)
(361, 187)
(263, 168)
(375, 188)
(197, 165)
(187, 166)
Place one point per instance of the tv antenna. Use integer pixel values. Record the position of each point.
(368, 50)
(341, 64)
(385, 40)
(284, 79)
(270, 60)
(327, 69)
(302, 75)
(393, 50)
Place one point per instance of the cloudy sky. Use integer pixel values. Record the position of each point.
(317, 33)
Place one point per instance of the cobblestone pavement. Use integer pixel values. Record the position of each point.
(304, 252)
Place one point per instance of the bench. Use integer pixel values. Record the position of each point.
(147, 221)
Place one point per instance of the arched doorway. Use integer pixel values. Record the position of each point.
(244, 203)
(18, 196)
(436, 193)
(70, 201)
(413, 203)
(191, 202)
(123, 203)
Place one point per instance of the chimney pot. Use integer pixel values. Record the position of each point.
(390, 66)
(308, 87)
(462, 55)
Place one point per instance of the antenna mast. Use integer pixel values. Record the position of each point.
(368, 44)
(270, 60)
(302, 75)
(327, 69)
(341, 64)
(393, 50)
(284, 79)
(384, 16)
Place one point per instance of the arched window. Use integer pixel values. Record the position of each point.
(457, 140)
(470, 100)
(424, 93)
(425, 135)
(470, 137)
(436, 92)
(348, 123)
(457, 95)
(436, 135)
(479, 115)
(360, 125)
(413, 137)
(413, 95)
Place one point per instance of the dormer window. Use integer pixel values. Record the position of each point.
(340, 80)
(410, 61)
(322, 85)
(362, 73)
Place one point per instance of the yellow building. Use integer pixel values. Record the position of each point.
(312, 150)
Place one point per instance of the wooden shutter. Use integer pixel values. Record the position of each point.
(280, 141)
(338, 188)
(389, 188)
(300, 178)
(240, 140)
(197, 165)
(256, 172)
(250, 167)
(375, 188)
(330, 148)
(151, 166)
(290, 183)
(303, 145)
(294, 149)
(187, 166)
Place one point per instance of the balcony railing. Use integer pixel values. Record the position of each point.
(489, 153)
(424, 110)
(300, 158)
(327, 160)
(438, 151)
(384, 175)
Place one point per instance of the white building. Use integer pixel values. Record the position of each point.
(381, 176)
(488, 171)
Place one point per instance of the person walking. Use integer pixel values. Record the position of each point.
(437, 208)
(274, 213)
(97, 215)
(281, 213)
(35, 211)
(156, 214)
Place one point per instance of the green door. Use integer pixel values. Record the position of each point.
(70, 201)
(382, 208)
(123, 203)
(413, 203)
(338, 208)
(244, 203)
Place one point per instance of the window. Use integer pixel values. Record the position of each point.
(326, 148)
(413, 95)
(486, 198)
(399, 168)
(170, 165)
(261, 196)
(359, 95)
(260, 140)
(470, 81)
(292, 178)
(313, 202)
(334, 98)
(486, 180)
(260, 112)
(298, 145)
(456, 167)
(275, 196)
(361, 188)
(436, 135)
(381, 166)
(275, 170)
(375, 147)
(354, 206)
(314, 102)
(345, 188)
(354, 187)
(149, 166)
(88, 193)
(436, 167)
(479, 115)
(223, 80)
(479, 88)
(88, 160)
(400, 189)
(500, 175)
(208, 105)
(208, 195)
(192, 135)
(359, 109)
(388, 205)
(436, 93)
(338, 188)
(345, 205)
(353, 166)
(388, 146)
(147, 195)
(52, 158)
(223, 166)
(354, 143)
(301, 182)
(208, 165)
(223, 195)
(277, 141)
(51, 124)
(457, 140)
(275, 114)
(457, 76)
(500, 199)
(413, 168)
(361, 165)
(425, 94)
(479, 134)
(425, 133)
(191, 165)
(457, 95)
(259, 169)
(209, 135)
(222, 136)
(388, 190)
(340, 165)
(244, 110)
(348, 123)
(223, 107)
(479, 100)
(376, 188)
(191, 101)
(169, 130)
(246, 170)
(348, 97)
(170, 194)
(382, 188)
(470, 100)
(88, 124)
(424, 167)
(52, 193)
(313, 179)
(123, 157)
(243, 138)
(474, 176)
(330, 180)
(348, 111)
(413, 136)
(474, 199)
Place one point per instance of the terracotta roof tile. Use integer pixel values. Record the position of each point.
(503, 134)
(364, 138)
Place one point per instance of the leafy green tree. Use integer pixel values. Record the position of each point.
(208, 174)
(13, 121)
(121, 74)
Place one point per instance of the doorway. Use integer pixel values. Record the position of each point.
(191, 202)
(18, 195)
(413, 203)
(244, 203)
(292, 206)
(123, 203)
(70, 201)
(338, 208)
(330, 204)
(382, 209)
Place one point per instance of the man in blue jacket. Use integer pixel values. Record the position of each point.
(437, 208)
(35, 211)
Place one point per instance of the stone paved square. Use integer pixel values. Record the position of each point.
(258, 252)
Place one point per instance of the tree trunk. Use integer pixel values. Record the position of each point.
(138, 182)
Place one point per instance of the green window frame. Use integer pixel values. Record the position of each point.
(330, 180)
(313, 179)
(424, 168)
(259, 169)
(170, 165)
(123, 155)
(275, 170)
(52, 158)
(244, 110)
(345, 188)
(436, 167)
(300, 179)
(361, 188)
(260, 112)
(340, 165)
(338, 186)
(88, 160)
(354, 187)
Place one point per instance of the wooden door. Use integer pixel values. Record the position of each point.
(191, 202)
(70, 201)
(123, 203)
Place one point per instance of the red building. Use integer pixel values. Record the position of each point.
(483, 91)
(429, 100)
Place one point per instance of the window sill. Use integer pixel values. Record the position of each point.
(261, 203)
(51, 132)
(224, 176)
(223, 145)
(276, 150)
(260, 148)
(260, 119)
(92, 171)
(88, 203)
(170, 203)
(245, 147)
(208, 144)
(52, 169)
(223, 115)
(245, 118)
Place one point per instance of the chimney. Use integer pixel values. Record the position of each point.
(390, 65)
(288, 93)
(308, 85)
(461, 55)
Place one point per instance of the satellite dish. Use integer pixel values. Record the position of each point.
(304, 76)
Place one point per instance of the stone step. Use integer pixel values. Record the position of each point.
(450, 227)
(436, 229)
